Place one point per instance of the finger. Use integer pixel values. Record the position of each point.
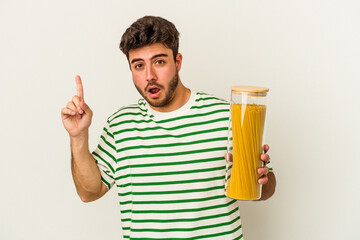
(71, 106)
(67, 111)
(263, 171)
(77, 101)
(229, 157)
(79, 87)
(265, 158)
(263, 180)
(266, 148)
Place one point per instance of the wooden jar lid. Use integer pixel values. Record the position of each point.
(249, 89)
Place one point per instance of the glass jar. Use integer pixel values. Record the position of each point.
(245, 143)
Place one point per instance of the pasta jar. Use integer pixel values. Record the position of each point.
(246, 129)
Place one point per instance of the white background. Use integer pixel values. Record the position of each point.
(307, 52)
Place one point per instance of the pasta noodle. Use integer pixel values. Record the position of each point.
(247, 130)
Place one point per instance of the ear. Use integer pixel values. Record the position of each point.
(178, 61)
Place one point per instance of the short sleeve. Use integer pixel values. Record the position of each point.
(105, 156)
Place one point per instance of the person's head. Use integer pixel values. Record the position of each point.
(151, 47)
(147, 31)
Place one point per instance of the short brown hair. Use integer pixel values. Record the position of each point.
(149, 30)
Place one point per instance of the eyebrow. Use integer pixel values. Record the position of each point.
(155, 56)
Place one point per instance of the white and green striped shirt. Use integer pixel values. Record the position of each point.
(169, 170)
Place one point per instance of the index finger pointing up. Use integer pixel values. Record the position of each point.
(79, 87)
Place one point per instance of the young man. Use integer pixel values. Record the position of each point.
(165, 154)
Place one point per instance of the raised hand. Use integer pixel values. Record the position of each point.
(77, 115)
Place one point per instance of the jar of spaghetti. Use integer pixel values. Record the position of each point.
(246, 129)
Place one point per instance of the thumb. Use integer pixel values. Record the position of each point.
(86, 108)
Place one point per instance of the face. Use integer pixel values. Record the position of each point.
(155, 73)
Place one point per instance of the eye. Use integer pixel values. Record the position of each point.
(160, 62)
(138, 66)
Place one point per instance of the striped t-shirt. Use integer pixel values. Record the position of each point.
(169, 170)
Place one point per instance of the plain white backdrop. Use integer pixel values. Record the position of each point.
(307, 52)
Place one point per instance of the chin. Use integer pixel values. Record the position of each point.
(157, 104)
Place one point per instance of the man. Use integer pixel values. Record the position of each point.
(165, 154)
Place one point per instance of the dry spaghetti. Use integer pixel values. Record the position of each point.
(247, 130)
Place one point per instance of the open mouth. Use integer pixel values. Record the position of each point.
(154, 91)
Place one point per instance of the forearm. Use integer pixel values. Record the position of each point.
(84, 170)
(268, 189)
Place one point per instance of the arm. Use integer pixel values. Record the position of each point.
(85, 172)
(76, 117)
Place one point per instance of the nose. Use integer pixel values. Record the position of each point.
(150, 74)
